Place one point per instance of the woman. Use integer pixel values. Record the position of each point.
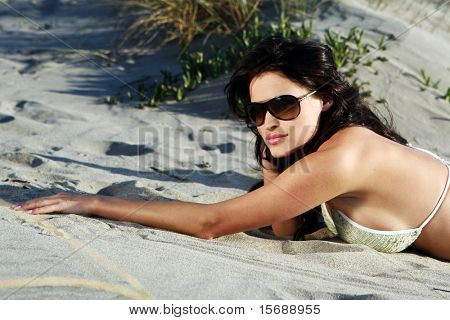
(320, 147)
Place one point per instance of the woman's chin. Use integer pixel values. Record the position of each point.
(279, 153)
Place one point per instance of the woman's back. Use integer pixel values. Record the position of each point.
(397, 189)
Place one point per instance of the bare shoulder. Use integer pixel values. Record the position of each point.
(348, 138)
(350, 146)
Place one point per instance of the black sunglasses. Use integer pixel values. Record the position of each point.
(284, 107)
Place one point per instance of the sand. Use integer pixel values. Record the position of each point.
(58, 135)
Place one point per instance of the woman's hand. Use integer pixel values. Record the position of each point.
(62, 202)
(269, 169)
(285, 228)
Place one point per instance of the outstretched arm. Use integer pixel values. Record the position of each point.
(184, 217)
(309, 182)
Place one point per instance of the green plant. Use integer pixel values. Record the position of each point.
(217, 64)
(382, 43)
(446, 96)
(197, 66)
(349, 51)
(361, 86)
(356, 35)
(381, 58)
(350, 72)
(426, 81)
(350, 48)
(193, 69)
(179, 93)
(339, 46)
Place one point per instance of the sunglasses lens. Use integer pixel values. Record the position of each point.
(256, 114)
(285, 107)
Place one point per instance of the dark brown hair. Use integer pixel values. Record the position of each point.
(311, 64)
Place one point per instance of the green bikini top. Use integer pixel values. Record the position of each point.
(384, 241)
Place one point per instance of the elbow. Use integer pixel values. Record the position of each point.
(205, 236)
(208, 226)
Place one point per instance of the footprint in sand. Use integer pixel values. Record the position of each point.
(133, 190)
(226, 147)
(43, 113)
(22, 158)
(4, 118)
(125, 149)
(187, 131)
(223, 147)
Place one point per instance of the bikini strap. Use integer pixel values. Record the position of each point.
(427, 151)
(438, 205)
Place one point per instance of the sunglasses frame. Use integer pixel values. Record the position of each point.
(265, 105)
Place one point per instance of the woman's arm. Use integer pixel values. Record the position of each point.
(310, 181)
(316, 178)
(284, 228)
(183, 217)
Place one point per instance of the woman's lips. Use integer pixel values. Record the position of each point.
(276, 139)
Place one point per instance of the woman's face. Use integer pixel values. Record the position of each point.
(295, 132)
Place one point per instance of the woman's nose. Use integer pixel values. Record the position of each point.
(270, 121)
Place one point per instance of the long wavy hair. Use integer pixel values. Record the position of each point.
(311, 64)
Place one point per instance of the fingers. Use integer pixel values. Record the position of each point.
(46, 209)
(44, 204)
(36, 203)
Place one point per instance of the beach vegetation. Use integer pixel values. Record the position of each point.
(158, 22)
(426, 81)
(446, 95)
(350, 50)
(382, 43)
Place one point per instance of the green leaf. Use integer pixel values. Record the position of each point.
(180, 94)
(436, 84)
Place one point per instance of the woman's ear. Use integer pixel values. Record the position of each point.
(327, 103)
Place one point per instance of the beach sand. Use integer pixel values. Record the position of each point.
(58, 135)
